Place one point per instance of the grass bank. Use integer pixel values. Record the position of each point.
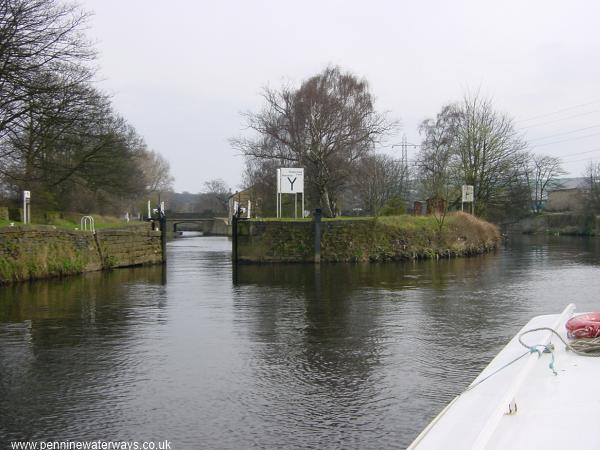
(561, 223)
(70, 221)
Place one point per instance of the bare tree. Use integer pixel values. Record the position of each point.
(470, 143)
(59, 135)
(591, 187)
(542, 174)
(156, 170)
(261, 182)
(217, 193)
(379, 178)
(437, 160)
(73, 140)
(38, 37)
(437, 163)
(325, 126)
(490, 151)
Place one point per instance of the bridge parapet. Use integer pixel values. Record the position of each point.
(215, 226)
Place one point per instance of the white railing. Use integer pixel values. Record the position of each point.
(87, 222)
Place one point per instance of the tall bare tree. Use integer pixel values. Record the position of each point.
(261, 182)
(542, 173)
(156, 170)
(59, 135)
(38, 37)
(591, 187)
(216, 195)
(325, 126)
(490, 151)
(437, 160)
(378, 179)
(73, 142)
(477, 146)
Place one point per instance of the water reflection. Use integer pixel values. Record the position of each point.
(354, 336)
(381, 344)
(61, 297)
(64, 346)
(270, 356)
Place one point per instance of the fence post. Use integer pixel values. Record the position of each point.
(317, 235)
(234, 237)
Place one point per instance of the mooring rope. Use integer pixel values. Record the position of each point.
(582, 347)
(495, 372)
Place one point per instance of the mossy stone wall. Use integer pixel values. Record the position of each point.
(122, 248)
(40, 251)
(263, 241)
(361, 240)
(32, 252)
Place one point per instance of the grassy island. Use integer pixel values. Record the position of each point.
(359, 239)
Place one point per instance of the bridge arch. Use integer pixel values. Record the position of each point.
(213, 226)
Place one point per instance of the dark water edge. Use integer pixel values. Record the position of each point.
(270, 356)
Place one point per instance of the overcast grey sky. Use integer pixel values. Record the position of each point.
(182, 71)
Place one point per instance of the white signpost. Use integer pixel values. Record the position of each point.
(468, 196)
(278, 191)
(290, 181)
(26, 206)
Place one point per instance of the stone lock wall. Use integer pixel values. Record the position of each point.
(272, 241)
(361, 240)
(122, 248)
(31, 252)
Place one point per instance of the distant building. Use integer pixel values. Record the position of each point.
(569, 196)
(436, 205)
(246, 200)
(419, 208)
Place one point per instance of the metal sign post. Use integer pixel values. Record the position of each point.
(26, 206)
(278, 191)
(468, 196)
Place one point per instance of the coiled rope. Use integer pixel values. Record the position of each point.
(582, 347)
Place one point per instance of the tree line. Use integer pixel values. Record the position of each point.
(60, 136)
(329, 125)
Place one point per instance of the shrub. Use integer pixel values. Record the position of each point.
(395, 206)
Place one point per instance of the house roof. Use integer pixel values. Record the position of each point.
(563, 184)
(243, 192)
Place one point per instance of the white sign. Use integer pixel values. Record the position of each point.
(467, 193)
(290, 181)
(26, 194)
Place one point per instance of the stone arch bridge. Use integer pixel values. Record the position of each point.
(214, 226)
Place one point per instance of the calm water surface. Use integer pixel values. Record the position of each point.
(345, 356)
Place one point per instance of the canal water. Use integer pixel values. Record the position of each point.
(270, 356)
